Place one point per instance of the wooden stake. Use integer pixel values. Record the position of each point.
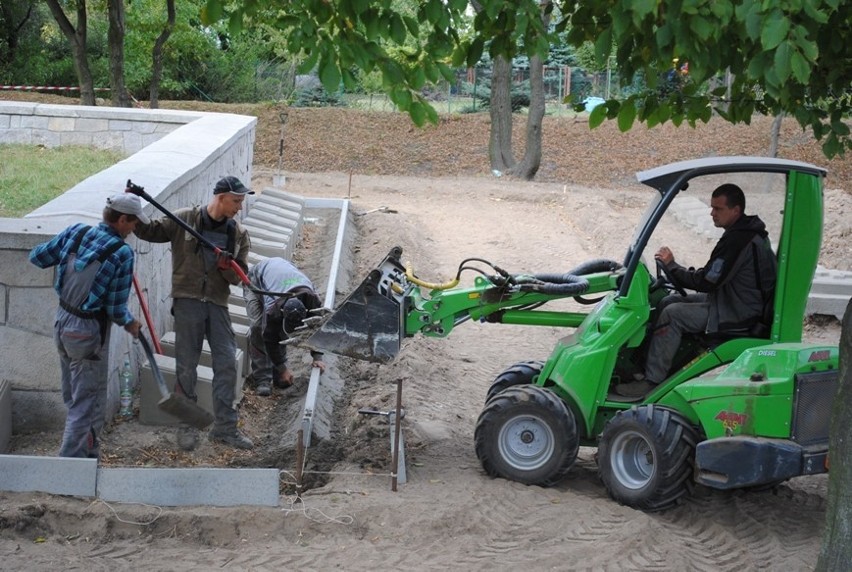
(396, 431)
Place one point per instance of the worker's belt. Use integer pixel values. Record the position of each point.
(99, 315)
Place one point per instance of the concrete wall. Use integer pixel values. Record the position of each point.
(176, 156)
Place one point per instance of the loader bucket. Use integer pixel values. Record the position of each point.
(367, 326)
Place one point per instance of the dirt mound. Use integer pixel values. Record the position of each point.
(320, 140)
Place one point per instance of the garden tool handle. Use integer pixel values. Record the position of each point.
(140, 192)
(150, 323)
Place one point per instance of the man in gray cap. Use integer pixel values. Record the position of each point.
(94, 276)
(201, 284)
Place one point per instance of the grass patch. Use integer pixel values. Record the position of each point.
(32, 175)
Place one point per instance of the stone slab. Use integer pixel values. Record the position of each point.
(150, 395)
(5, 415)
(54, 475)
(187, 487)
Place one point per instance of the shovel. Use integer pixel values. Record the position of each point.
(177, 405)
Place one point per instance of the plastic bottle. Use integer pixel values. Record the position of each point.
(125, 380)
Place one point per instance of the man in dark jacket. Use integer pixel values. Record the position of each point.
(274, 318)
(201, 284)
(733, 288)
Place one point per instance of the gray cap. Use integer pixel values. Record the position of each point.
(126, 203)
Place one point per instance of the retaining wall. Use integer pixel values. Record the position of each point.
(176, 156)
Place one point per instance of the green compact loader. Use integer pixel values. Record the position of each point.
(738, 409)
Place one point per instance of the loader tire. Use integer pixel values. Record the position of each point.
(646, 457)
(521, 373)
(527, 434)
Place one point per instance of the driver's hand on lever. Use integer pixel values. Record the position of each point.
(665, 255)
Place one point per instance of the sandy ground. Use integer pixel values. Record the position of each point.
(449, 515)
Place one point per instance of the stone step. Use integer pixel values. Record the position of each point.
(167, 342)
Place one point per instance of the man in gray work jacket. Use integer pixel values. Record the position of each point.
(734, 288)
(274, 318)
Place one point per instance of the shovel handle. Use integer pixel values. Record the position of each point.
(140, 192)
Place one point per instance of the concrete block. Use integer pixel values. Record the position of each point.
(238, 314)
(271, 248)
(275, 211)
(54, 475)
(268, 232)
(150, 395)
(36, 411)
(18, 348)
(271, 192)
(830, 293)
(186, 487)
(255, 258)
(291, 205)
(274, 221)
(241, 332)
(167, 342)
(5, 415)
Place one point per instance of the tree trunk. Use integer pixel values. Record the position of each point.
(836, 552)
(775, 134)
(77, 39)
(11, 31)
(115, 37)
(529, 165)
(157, 55)
(500, 137)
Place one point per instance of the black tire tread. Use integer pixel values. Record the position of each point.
(498, 410)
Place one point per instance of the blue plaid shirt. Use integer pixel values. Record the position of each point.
(114, 278)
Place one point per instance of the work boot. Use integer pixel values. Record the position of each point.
(635, 388)
(263, 389)
(187, 438)
(233, 438)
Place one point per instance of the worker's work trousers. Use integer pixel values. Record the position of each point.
(83, 362)
(261, 365)
(194, 321)
(680, 315)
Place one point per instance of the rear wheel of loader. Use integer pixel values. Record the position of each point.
(646, 457)
(527, 434)
(521, 373)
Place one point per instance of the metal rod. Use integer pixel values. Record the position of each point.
(396, 429)
(300, 459)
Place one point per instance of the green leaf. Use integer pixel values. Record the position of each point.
(212, 12)
(603, 46)
(626, 115)
(701, 27)
(397, 29)
(801, 67)
(814, 13)
(329, 74)
(433, 11)
(474, 53)
(309, 62)
(775, 30)
(782, 61)
(360, 6)
(371, 25)
(417, 112)
(597, 116)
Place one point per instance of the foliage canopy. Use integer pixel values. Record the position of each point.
(783, 56)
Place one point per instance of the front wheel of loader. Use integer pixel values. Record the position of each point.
(646, 457)
(521, 373)
(527, 434)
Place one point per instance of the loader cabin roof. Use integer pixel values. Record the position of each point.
(663, 177)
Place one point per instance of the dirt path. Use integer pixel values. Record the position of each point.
(449, 515)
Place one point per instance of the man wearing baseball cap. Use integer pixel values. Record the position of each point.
(93, 278)
(201, 285)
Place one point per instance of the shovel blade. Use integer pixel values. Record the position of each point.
(186, 410)
(369, 324)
